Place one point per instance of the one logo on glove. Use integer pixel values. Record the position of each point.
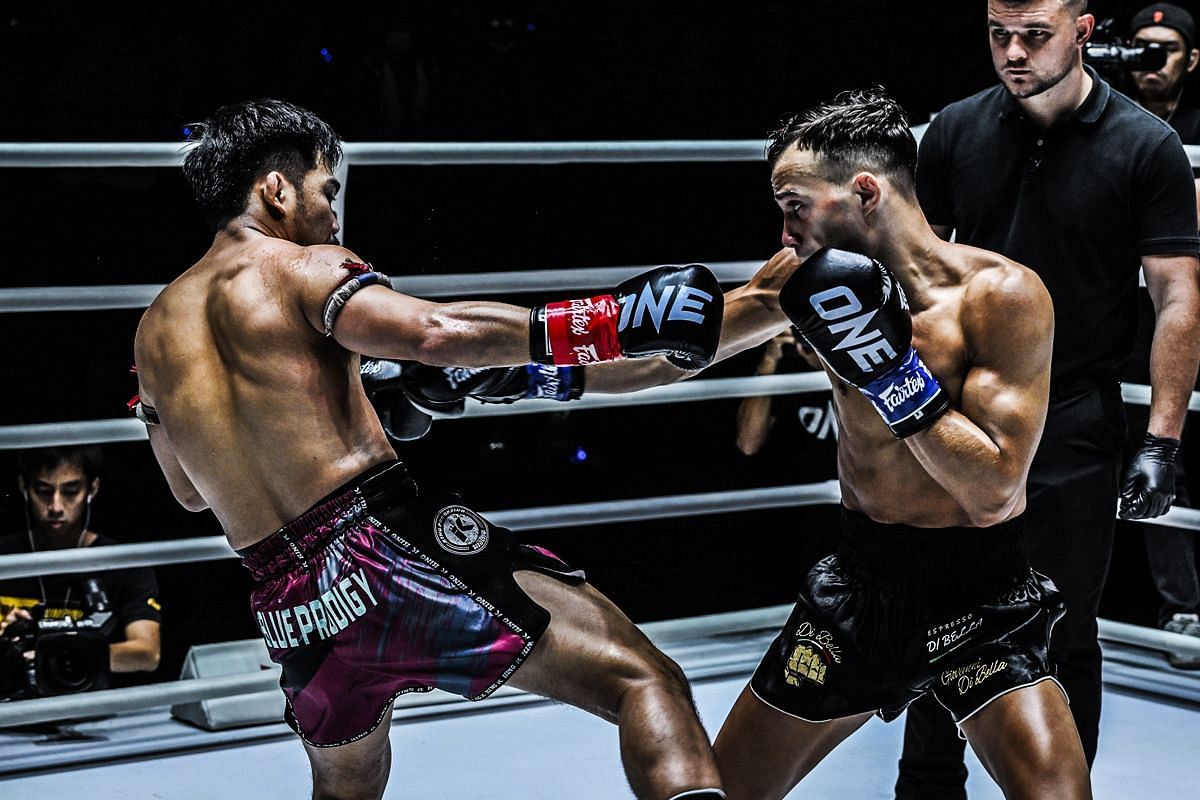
(812, 654)
(867, 346)
(687, 306)
(460, 530)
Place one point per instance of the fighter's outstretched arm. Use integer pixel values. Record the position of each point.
(981, 452)
(752, 316)
(677, 314)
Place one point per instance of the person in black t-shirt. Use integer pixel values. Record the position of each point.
(1171, 552)
(788, 438)
(58, 485)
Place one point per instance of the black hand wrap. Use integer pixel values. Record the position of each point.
(1149, 485)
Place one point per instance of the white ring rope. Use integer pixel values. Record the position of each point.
(108, 431)
(139, 295)
(211, 548)
(170, 154)
(662, 634)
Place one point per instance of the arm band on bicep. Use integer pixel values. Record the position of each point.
(358, 279)
(145, 413)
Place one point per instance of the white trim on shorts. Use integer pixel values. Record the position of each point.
(958, 722)
(790, 714)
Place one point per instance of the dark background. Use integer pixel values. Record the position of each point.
(461, 71)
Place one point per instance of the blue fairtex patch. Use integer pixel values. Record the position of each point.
(549, 382)
(904, 392)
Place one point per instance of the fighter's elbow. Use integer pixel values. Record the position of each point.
(191, 500)
(986, 508)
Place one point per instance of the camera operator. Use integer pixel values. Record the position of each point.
(1160, 91)
(1171, 552)
(58, 486)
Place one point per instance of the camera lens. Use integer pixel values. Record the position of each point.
(69, 669)
(71, 662)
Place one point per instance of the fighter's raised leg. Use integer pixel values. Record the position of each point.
(592, 657)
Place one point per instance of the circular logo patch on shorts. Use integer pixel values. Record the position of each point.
(460, 530)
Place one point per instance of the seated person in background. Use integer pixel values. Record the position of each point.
(772, 429)
(58, 486)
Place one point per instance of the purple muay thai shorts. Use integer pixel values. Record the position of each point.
(376, 591)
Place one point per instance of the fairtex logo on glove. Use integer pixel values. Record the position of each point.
(903, 392)
(894, 396)
(687, 306)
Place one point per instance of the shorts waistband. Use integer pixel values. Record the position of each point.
(296, 542)
(957, 561)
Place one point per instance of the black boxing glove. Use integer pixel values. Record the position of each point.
(1148, 488)
(853, 313)
(441, 391)
(671, 311)
(401, 420)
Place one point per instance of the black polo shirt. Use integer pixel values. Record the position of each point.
(1186, 122)
(1079, 204)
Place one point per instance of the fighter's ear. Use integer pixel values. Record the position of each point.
(274, 190)
(866, 187)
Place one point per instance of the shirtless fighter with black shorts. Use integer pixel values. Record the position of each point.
(365, 588)
(940, 363)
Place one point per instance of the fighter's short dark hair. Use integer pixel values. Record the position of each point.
(858, 130)
(31, 463)
(240, 143)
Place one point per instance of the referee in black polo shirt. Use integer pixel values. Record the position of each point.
(1059, 172)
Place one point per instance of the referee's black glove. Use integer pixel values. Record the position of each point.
(1149, 484)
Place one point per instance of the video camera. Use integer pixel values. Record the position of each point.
(1106, 51)
(69, 655)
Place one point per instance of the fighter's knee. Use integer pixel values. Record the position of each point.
(657, 672)
(360, 790)
(366, 785)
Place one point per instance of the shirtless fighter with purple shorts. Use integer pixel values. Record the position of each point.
(364, 587)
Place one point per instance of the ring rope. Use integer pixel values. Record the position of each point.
(23, 300)
(211, 548)
(170, 154)
(110, 701)
(662, 634)
(127, 429)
